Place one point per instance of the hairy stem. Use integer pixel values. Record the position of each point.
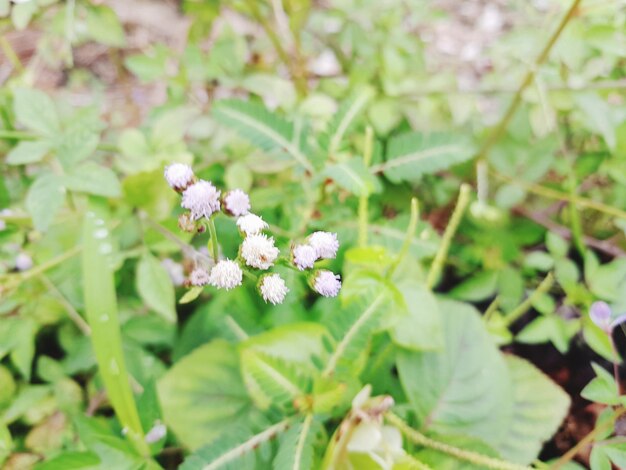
(522, 308)
(408, 238)
(473, 457)
(442, 253)
(214, 245)
(528, 79)
(364, 198)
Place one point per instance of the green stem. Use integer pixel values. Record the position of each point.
(528, 79)
(475, 458)
(408, 238)
(522, 308)
(491, 309)
(364, 198)
(19, 135)
(558, 195)
(442, 253)
(587, 440)
(11, 55)
(214, 244)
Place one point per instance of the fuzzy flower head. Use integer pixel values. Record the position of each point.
(226, 274)
(251, 224)
(259, 251)
(199, 277)
(236, 203)
(325, 244)
(202, 199)
(327, 283)
(273, 289)
(179, 176)
(304, 256)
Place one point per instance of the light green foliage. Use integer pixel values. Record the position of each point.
(359, 118)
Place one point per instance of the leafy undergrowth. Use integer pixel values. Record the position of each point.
(303, 235)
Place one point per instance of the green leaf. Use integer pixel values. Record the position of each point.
(34, 109)
(101, 308)
(44, 199)
(464, 388)
(28, 152)
(539, 407)
(264, 129)
(295, 451)
(203, 394)
(412, 155)
(421, 328)
(352, 330)
(442, 461)
(104, 26)
(72, 460)
(22, 13)
(602, 388)
(191, 295)
(79, 140)
(353, 176)
(94, 179)
(155, 287)
(478, 287)
(597, 114)
(271, 381)
(343, 120)
(223, 447)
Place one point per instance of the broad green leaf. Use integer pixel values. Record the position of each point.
(44, 199)
(412, 155)
(203, 394)
(354, 177)
(101, 308)
(478, 287)
(149, 66)
(597, 115)
(421, 328)
(539, 407)
(264, 129)
(441, 461)
(34, 109)
(28, 152)
(94, 179)
(104, 26)
(295, 451)
(271, 381)
(155, 287)
(72, 460)
(149, 192)
(465, 387)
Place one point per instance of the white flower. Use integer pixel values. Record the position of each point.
(273, 289)
(259, 251)
(325, 244)
(251, 224)
(304, 256)
(236, 202)
(199, 277)
(158, 432)
(327, 283)
(179, 176)
(23, 262)
(202, 199)
(226, 275)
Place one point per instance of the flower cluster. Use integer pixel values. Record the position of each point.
(203, 200)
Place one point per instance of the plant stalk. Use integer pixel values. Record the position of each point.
(522, 308)
(364, 198)
(442, 253)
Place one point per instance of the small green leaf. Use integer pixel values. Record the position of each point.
(34, 109)
(71, 460)
(191, 295)
(94, 179)
(295, 451)
(22, 13)
(479, 287)
(44, 199)
(354, 177)
(104, 26)
(6, 443)
(412, 155)
(602, 388)
(155, 287)
(28, 152)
